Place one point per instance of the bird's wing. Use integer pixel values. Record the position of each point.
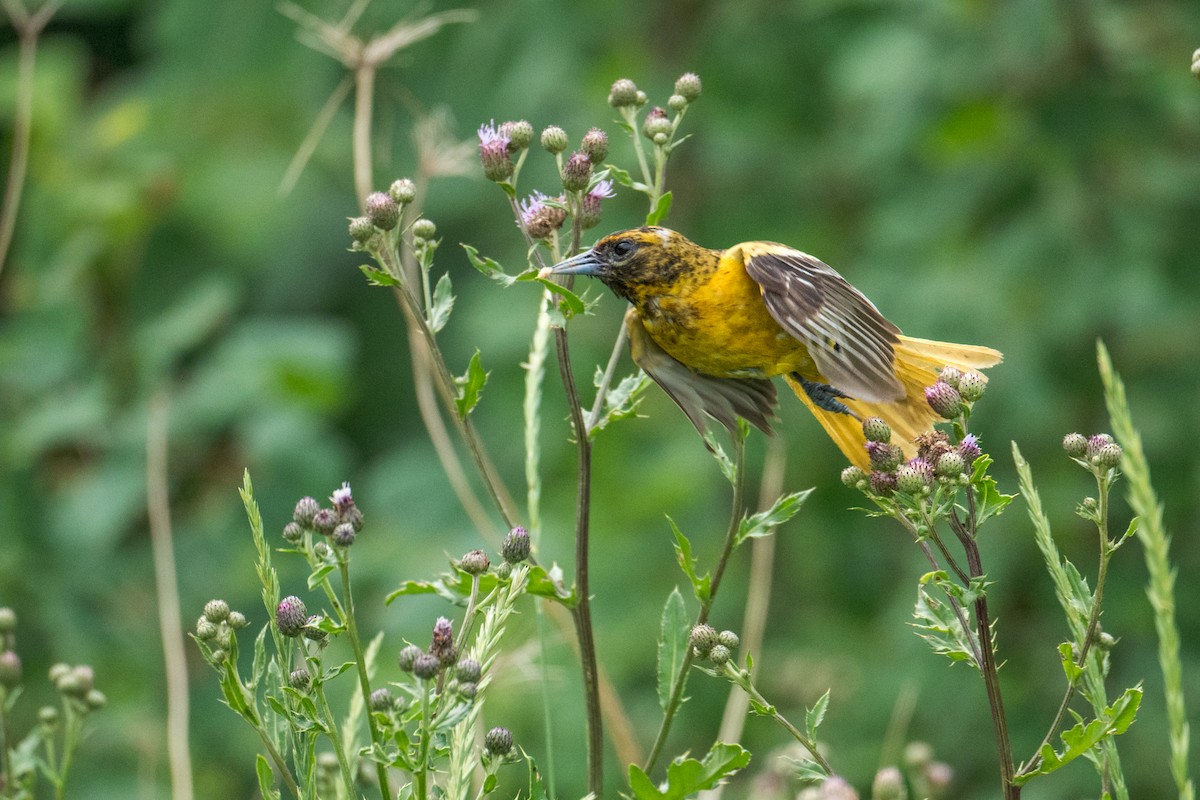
(723, 399)
(852, 344)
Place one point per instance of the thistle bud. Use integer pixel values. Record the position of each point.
(468, 670)
(624, 93)
(1075, 444)
(381, 700)
(884, 457)
(498, 741)
(292, 532)
(876, 430)
(324, 521)
(688, 86)
(719, 654)
(914, 477)
(95, 700)
(519, 133)
(48, 715)
(313, 630)
(969, 449)
(493, 154)
(918, 754)
(703, 638)
(950, 375)
(656, 124)
(971, 386)
(475, 563)
(854, 477)
(8, 620)
(300, 679)
(408, 657)
(888, 785)
(595, 145)
(515, 547)
(938, 777)
(353, 517)
(1108, 457)
(467, 690)
(426, 666)
(577, 172)
(677, 103)
(944, 399)
(237, 620)
(728, 639)
(883, 483)
(361, 229)
(343, 535)
(306, 508)
(950, 465)
(1096, 443)
(382, 210)
(321, 550)
(641, 98)
(10, 669)
(216, 610)
(424, 229)
(291, 616)
(442, 646)
(206, 631)
(403, 191)
(554, 139)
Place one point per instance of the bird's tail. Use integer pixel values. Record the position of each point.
(917, 365)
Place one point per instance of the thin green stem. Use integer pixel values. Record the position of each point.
(421, 775)
(743, 680)
(331, 725)
(364, 680)
(6, 771)
(629, 114)
(735, 519)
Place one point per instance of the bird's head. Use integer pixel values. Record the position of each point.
(639, 263)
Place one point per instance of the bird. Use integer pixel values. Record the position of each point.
(713, 327)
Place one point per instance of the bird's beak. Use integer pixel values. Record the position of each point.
(585, 263)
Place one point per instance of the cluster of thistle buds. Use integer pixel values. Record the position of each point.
(1097, 453)
(709, 645)
(384, 210)
(293, 620)
(217, 626)
(658, 126)
(339, 524)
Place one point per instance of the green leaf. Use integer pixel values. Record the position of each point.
(1083, 737)
(765, 522)
(815, 715)
(266, 778)
(470, 386)
(1067, 654)
(377, 277)
(989, 501)
(569, 304)
(687, 563)
(728, 468)
(672, 645)
(621, 401)
(619, 175)
(660, 210)
(318, 575)
(940, 627)
(687, 776)
(488, 267)
(443, 303)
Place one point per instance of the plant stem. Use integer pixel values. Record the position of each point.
(742, 680)
(364, 680)
(421, 775)
(334, 736)
(735, 520)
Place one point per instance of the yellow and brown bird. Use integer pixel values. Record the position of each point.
(713, 327)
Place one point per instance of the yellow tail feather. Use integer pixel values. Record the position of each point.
(917, 365)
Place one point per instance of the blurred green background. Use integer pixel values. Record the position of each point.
(1024, 175)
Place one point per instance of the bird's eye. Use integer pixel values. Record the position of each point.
(623, 248)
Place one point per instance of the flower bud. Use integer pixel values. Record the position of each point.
(914, 477)
(515, 547)
(95, 700)
(854, 477)
(719, 654)
(424, 229)
(950, 465)
(82, 680)
(343, 535)
(57, 672)
(291, 616)
(883, 483)
(944, 399)
(467, 690)
(876, 430)
(624, 93)
(426, 666)
(300, 679)
(216, 610)
(48, 715)
(237, 620)
(1075, 444)
(641, 98)
(519, 133)
(408, 657)
(554, 139)
(353, 517)
(493, 153)
(292, 532)
(918, 754)
(1108, 456)
(206, 630)
(728, 639)
(677, 103)
(595, 145)
(498, 741)
(321, 550)
(968, 448)
(442, 646)
(884, 457)
(468, 670)
(688, 86)
(837, 788)
(382, 210)
(1106, 641)
(306, 509)
(1096, 443)
(313, 631)
(950, 375)
(403, 191)
(656, 124)
(381, 700)
(888, 785)
(703, 638)
(504, 570)
(577, 172)
(971, 386)
(10, 669)
(324, 521)
(475, 562)
(361, 229)
(8, 620)
(938, 777)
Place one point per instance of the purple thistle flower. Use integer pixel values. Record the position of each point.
(969, 449)
(540, 218)
(493, 152)
(342, 498)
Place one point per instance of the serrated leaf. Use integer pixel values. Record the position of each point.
(621, 401)
(318, 575)
(660, 210)
(808, 773)
(1067, 654)
(940, 627)
(687, 776)
(377, 277)
(488, 267)
(569, 304)
(266, 778)
(1083, 737)
(619, 175)
(443, 303)
(673, 641)
(815, 715)
(728, 468)
(687, 562)
(989, 502)
(765, 522)
(470, 386)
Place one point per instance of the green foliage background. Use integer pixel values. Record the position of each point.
(1025, 175)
